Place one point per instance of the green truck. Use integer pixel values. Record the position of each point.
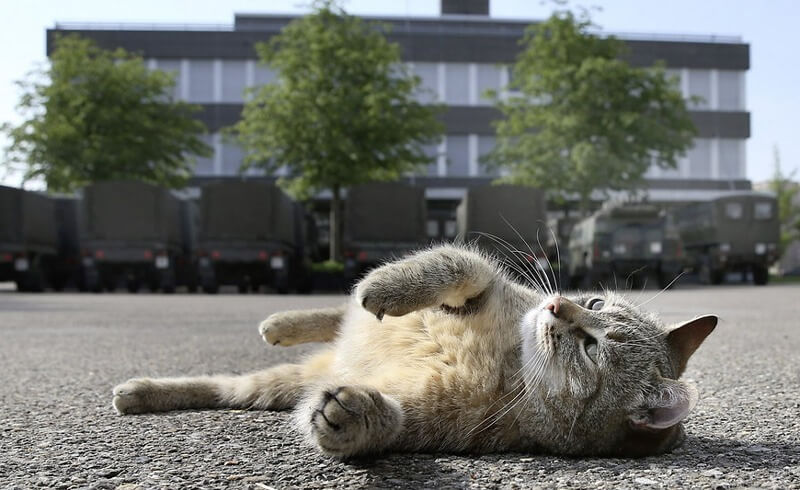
(510, 222)
(734, 233)
(624, 244)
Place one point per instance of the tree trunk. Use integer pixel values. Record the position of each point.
(335, 240)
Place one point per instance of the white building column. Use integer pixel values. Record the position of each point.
(473, 84)
(186, 74)
(503, 82)
(441, 82)
(249, 73)
(715, 158)
(714, 93)
(441, 158)
(217, 86)
(472, 154)
(216, 142)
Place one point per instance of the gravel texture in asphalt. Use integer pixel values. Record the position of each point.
(60, 355)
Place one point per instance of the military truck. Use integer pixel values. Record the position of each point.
(131, 232)
(509, 222)
(734, 233)
(623, 244)
(382, 221)
(28, 239)
(252, 234)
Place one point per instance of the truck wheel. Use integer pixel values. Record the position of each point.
(211, 287)
(760, 275)
(717, 276)
(243, 285)
(132, 284)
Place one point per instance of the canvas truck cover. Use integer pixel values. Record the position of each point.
(385, 213)
(27, 219)
(492, 209)
(132, 212)
(247, 212)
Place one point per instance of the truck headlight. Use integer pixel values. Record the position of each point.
(21, 264)
(162, 262)
(761, 248)
(724, 247)
(655, 248)
(277, 262)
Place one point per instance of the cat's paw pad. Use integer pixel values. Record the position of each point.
(341, 421)
(278, 329)
(132, 396)
(381, 294)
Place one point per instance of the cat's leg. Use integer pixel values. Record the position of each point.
(276, 388)
(446, 275)
(297, 327)
(350, 420)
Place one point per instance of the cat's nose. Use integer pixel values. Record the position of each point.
(554, 305)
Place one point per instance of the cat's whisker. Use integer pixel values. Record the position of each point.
(540, 273)
(662, 290)
(552, 272)
(513, 264)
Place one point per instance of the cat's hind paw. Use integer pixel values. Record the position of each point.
(348, 421)
(132, 396)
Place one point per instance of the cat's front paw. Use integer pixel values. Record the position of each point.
(384, 292)
(350, 420)
(131, 397)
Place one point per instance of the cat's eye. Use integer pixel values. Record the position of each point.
(590, 347)
(595, 304)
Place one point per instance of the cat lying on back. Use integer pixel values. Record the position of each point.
(442, 351)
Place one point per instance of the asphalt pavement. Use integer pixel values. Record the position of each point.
(61, 354)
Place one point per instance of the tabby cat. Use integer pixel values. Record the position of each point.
(443, 351)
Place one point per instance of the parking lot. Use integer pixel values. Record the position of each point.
(62, 354)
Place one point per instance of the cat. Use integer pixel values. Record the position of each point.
(443, 351)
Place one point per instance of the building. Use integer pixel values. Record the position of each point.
(458, 57)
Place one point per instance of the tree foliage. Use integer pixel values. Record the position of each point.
(579, 118)
(787, 192)
(342, 111)
(97, 115)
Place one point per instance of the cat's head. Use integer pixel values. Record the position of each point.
(605, 374)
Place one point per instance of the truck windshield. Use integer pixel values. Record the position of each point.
(734, 210)
(762, 210)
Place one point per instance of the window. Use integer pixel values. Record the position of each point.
(734, 210)
(450, 228)
(485, 145)
(731, 153)
(457, 88)
(233, 81)
(729, 90)
(457, 155)
(700, 85)
(263, 75)
(174, 67)
(205, 165)
(700, 159)
(432, 228)
(432, 152)
(232, 156)
(201, 81)
(427, 91)
(488, 79)
(762, 210)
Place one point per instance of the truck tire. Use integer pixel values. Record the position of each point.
(717, 276)
(132, 284)
(210, 287)
(760, 275)
(243, 285)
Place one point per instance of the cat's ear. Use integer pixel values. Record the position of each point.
(668, 405)
(684, 338)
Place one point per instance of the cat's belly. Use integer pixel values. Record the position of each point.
(413, 352)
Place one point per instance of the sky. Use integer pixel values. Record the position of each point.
(768, 26)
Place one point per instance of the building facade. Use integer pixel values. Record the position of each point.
(458, 56)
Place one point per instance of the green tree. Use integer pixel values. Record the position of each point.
(342, 111)
(580, 119)
(787, 192)
(96, 115)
